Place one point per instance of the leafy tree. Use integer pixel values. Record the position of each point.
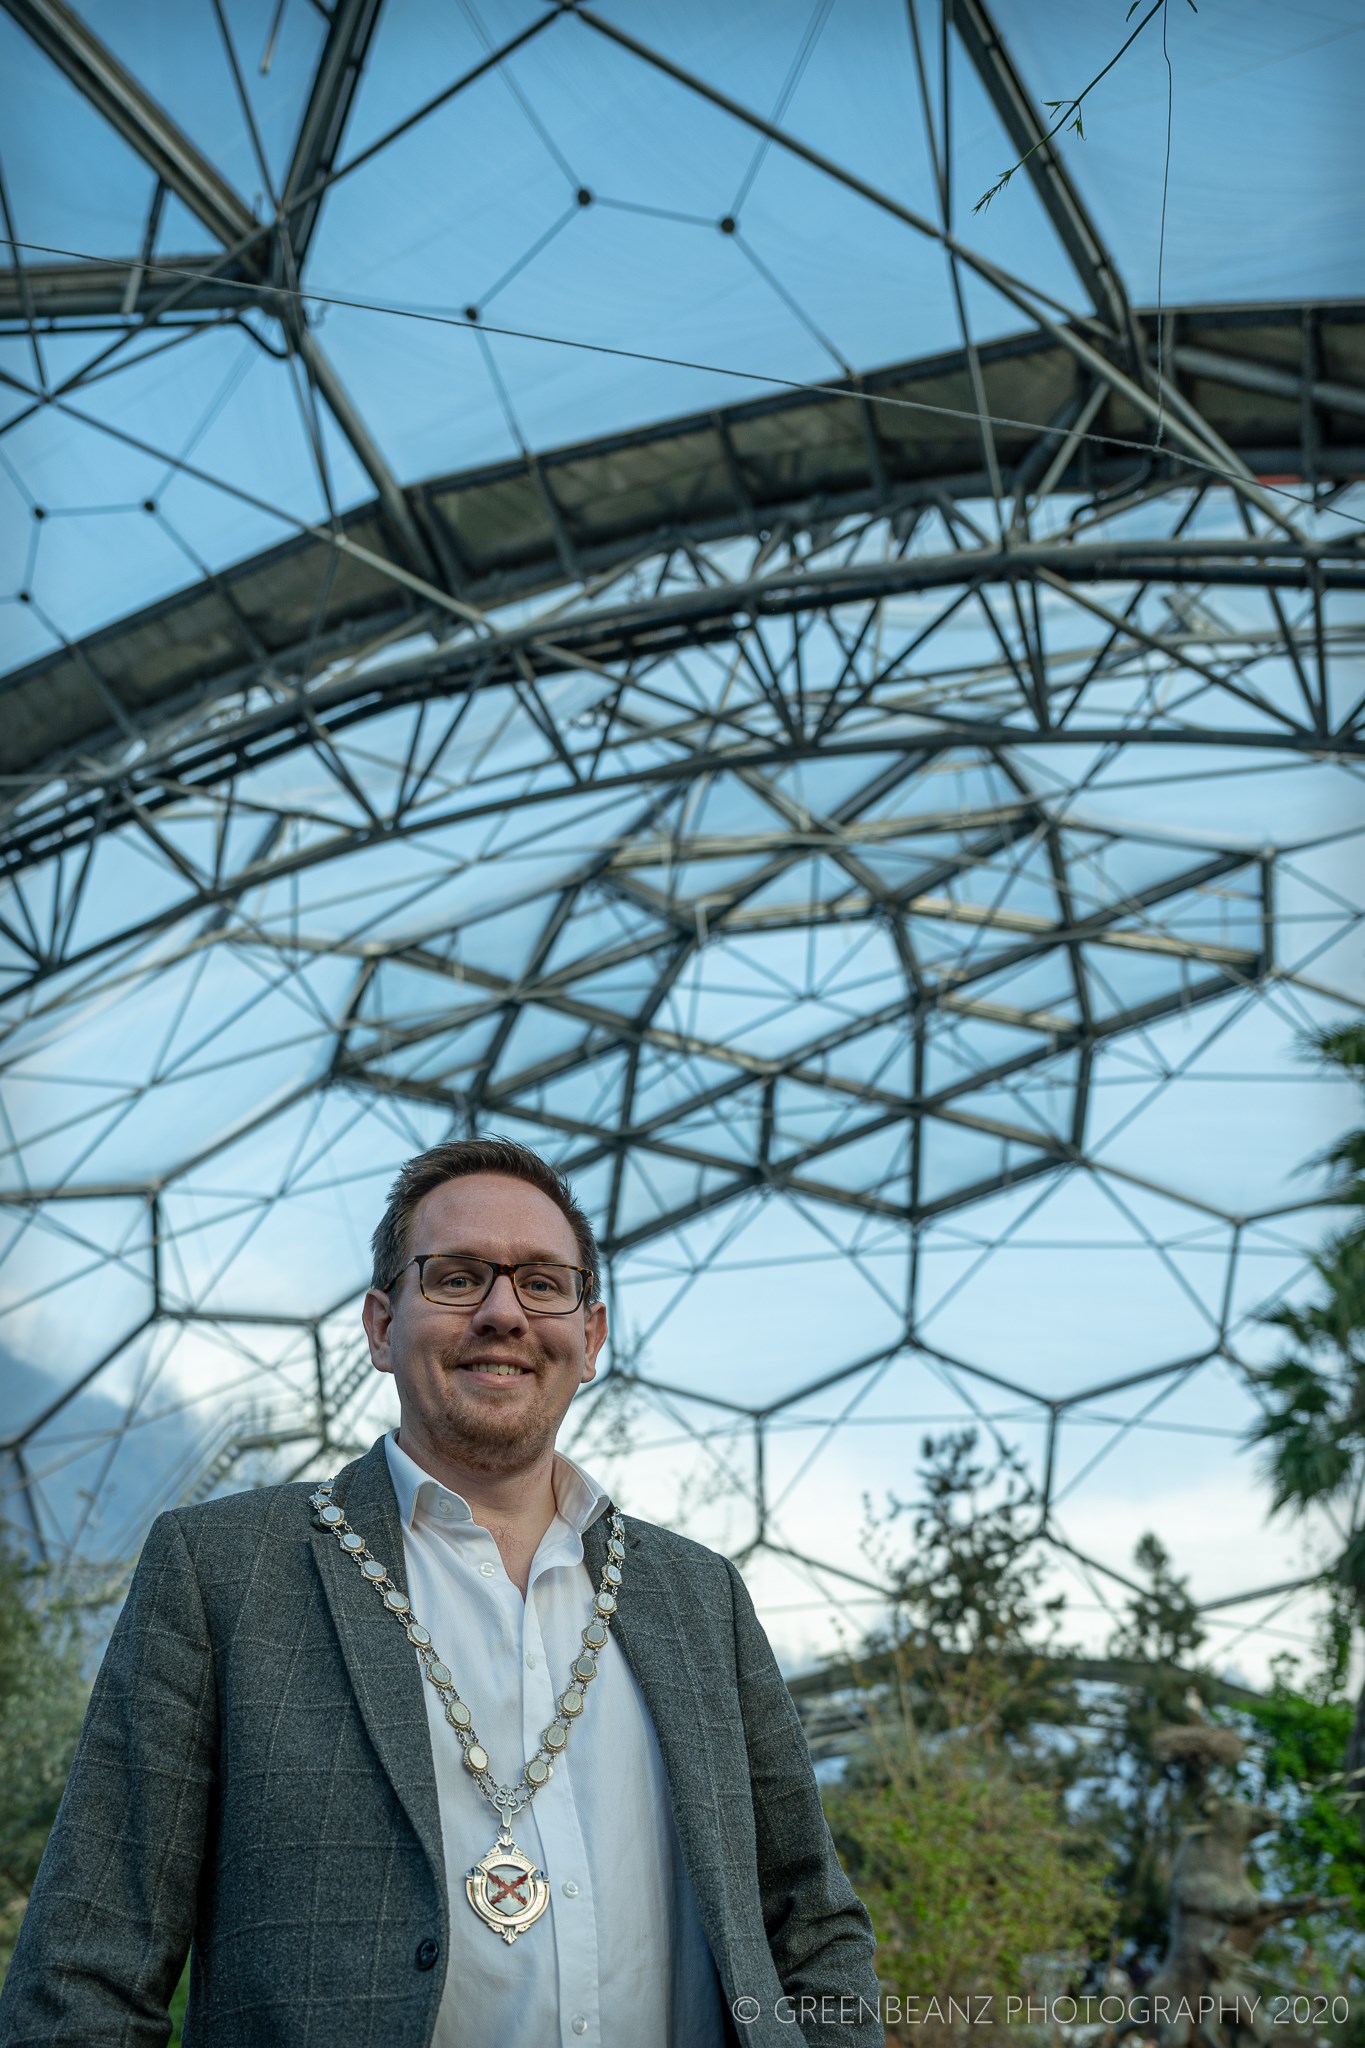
(1295, 1760)
(969, 1591)
(1295, 1738)
(972, 1581)
(952, 1817)
(43, 1692)
(971, 1611)
(1139, 1803)
(975, 1874)
(1313, 1428)
(44, 1654)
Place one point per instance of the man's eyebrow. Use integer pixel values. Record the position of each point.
(465, 1251)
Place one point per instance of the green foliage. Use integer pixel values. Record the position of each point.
(1140, 1805)
(42, 1702)
(1313, 1429)
(1162, 1623)
(1297, 1741)
(967, 1583)
(1310, 1457)
(1006, 1823)
(180, 1998)
(970, 1585)
(970, 1598)
(976, 1876)
(44, 1648)
(1297, 1748)
(988, 1837)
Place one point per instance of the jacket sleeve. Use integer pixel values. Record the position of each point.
(818, 1929)
(111, 1916)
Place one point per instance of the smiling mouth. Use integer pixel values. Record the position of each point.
(497, 1369)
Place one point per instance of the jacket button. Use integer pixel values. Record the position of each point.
(427, 1952)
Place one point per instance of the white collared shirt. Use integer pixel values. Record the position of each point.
(619, 1957)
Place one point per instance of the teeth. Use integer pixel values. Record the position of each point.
(503, 1372)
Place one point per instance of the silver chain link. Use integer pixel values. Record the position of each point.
(506, 1800)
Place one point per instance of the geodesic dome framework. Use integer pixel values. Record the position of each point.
(880, 836)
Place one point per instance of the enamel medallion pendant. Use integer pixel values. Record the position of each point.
(506, 1890)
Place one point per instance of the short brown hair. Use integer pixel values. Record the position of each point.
(453, 1161)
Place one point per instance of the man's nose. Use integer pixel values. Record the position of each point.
(500, 1309)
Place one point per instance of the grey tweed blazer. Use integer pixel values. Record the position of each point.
(255, 1777)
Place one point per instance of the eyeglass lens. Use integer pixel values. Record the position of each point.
(459, 1282)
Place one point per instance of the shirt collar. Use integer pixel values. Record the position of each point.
(579, 1499)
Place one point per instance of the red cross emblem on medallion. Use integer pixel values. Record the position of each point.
(506, 1890)
(499, 1888)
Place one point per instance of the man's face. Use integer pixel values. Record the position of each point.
(450, 1399)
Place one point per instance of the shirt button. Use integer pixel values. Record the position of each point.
(487, 1570)
(571, 1890)
(446, 1508)
(530, 1660)
(579, 2024)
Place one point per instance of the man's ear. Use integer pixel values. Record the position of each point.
(594, 1337)
(377, 1316)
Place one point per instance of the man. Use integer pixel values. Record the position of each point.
(447, 1752)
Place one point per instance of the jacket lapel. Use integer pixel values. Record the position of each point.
(659, 1652)
(381, 1662)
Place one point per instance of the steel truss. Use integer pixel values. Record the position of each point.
(852, 664)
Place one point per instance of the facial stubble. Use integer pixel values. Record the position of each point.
(485, 1439)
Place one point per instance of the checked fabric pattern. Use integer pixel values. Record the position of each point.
(255, 1777)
